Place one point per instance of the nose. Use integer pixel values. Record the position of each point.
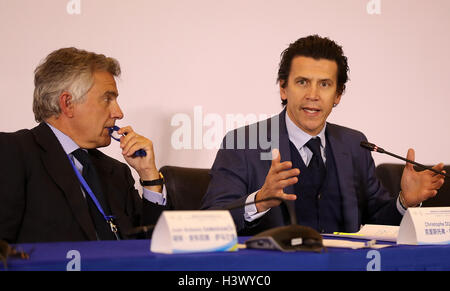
(313, 92)
(116, 112)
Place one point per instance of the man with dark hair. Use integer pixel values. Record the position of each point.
(54, 183)
(314, 47)
(317, 166)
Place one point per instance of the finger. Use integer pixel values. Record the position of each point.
(286, 183)
(430, 193)
(125, 130)
(276, 186)
(437, 184)
(439, 167)
(287, 174)
(130, 152)
(276, 157)
(135, 143)
(264, 205)
(126, 135)
(289, 197)
(143, 144)
(129, 140)
(281, 167)
(410, 156)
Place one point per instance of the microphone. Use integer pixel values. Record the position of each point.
(289, 238)
(372, 147)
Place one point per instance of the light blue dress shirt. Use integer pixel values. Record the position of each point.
(69, 146)
(299, 138)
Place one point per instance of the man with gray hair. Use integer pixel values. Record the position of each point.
(54, 183)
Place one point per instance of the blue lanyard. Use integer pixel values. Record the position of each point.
(109, 218)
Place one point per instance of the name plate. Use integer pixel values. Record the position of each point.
(425, 225)
(194, 231)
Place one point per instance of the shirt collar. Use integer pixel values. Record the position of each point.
(298, 137)
(66, 142)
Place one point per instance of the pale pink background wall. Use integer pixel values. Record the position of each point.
(223, 56)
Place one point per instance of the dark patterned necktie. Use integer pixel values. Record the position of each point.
(316, 165)
(90, 175)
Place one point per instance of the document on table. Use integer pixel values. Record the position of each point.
(372, 231)
(348, 244)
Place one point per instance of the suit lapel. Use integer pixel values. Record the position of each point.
(59, 169)
(345, 172)
(285, 152)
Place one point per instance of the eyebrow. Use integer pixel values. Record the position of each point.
(305, 78)
(111, 94)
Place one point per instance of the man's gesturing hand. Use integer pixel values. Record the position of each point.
(280, 176)
(419, 186)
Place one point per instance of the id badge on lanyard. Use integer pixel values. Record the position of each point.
(108, 218)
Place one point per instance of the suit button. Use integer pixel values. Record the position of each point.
(319, 196)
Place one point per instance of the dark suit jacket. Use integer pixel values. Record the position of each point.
(236, 173)
(41, 198)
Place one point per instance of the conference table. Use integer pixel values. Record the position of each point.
(135, 255)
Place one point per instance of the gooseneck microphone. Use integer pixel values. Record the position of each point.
(372, 147)
(288, 238)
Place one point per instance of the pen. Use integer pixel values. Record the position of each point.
(113, 134)
(346, 233)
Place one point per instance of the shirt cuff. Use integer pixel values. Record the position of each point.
(155, 197)
(251, 213)
(401, 209)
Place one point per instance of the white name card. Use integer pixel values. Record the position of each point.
(425, 225)
(194, 231)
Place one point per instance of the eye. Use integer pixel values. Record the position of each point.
(302, 82)
(108, 99)
(325, 84)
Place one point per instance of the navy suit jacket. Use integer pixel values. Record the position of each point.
(41, 198)
(240, 171)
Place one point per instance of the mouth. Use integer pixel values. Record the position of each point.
(311, 110)
(108, 127)
(106, 130)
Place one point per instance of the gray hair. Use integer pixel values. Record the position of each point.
(70, 70)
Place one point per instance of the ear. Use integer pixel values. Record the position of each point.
(66, 104)
(337, 99)
(282, 90)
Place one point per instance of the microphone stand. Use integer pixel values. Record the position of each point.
(375, 148)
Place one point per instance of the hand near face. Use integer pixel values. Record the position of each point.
(280, 175)
(419, 186)
(132, 142)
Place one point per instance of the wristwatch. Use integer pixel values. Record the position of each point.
(155, 182)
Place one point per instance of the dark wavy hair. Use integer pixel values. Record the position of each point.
(317, 47)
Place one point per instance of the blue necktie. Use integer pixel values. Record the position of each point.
(316, 165)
